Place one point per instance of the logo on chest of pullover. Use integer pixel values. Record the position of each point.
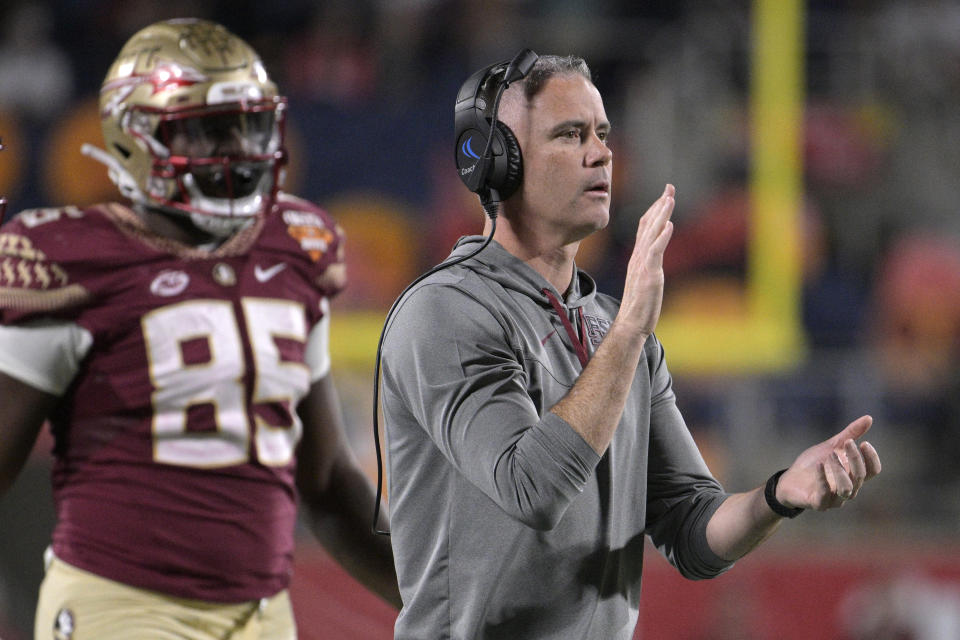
(596, 329)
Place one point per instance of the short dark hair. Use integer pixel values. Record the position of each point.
(549, 66)
(544, 68)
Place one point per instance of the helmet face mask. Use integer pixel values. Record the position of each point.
(224, 161)
(194, 124)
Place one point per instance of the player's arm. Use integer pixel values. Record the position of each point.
(40, 350)
(23, 409)
(37, 362)
(822, 477)
(337, 495)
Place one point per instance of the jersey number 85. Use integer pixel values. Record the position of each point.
(219, 381)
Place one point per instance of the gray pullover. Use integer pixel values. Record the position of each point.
(506, 523)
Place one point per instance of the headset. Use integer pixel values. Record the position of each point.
(494, 175)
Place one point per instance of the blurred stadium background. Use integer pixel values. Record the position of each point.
(814, 274)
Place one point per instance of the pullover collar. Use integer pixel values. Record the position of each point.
(511, 272)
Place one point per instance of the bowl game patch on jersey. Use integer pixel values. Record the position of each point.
(309, 230)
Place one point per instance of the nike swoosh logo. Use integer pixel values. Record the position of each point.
(544, 341)
(262, 275)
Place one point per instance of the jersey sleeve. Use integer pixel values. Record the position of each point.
(317, 353)
(40, 262)
(44, 355)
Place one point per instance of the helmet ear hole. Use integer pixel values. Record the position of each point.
(123, 151)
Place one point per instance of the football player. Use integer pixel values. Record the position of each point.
(177, 343)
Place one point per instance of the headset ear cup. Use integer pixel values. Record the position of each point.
(507, 173)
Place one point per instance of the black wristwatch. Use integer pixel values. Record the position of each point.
(770, 493)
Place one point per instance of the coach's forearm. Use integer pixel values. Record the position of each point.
(595, 403)
(741, 523)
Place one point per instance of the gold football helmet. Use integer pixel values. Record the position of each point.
(193, 124)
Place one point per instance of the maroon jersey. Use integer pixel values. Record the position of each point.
(174, 444)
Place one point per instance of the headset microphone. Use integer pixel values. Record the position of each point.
(494, 174)
(520, 66)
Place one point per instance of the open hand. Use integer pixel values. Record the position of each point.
(643, 289)
(830, 473)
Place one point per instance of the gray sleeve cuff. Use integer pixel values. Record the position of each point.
(705, 563)
(560, 437)
(538, 478)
